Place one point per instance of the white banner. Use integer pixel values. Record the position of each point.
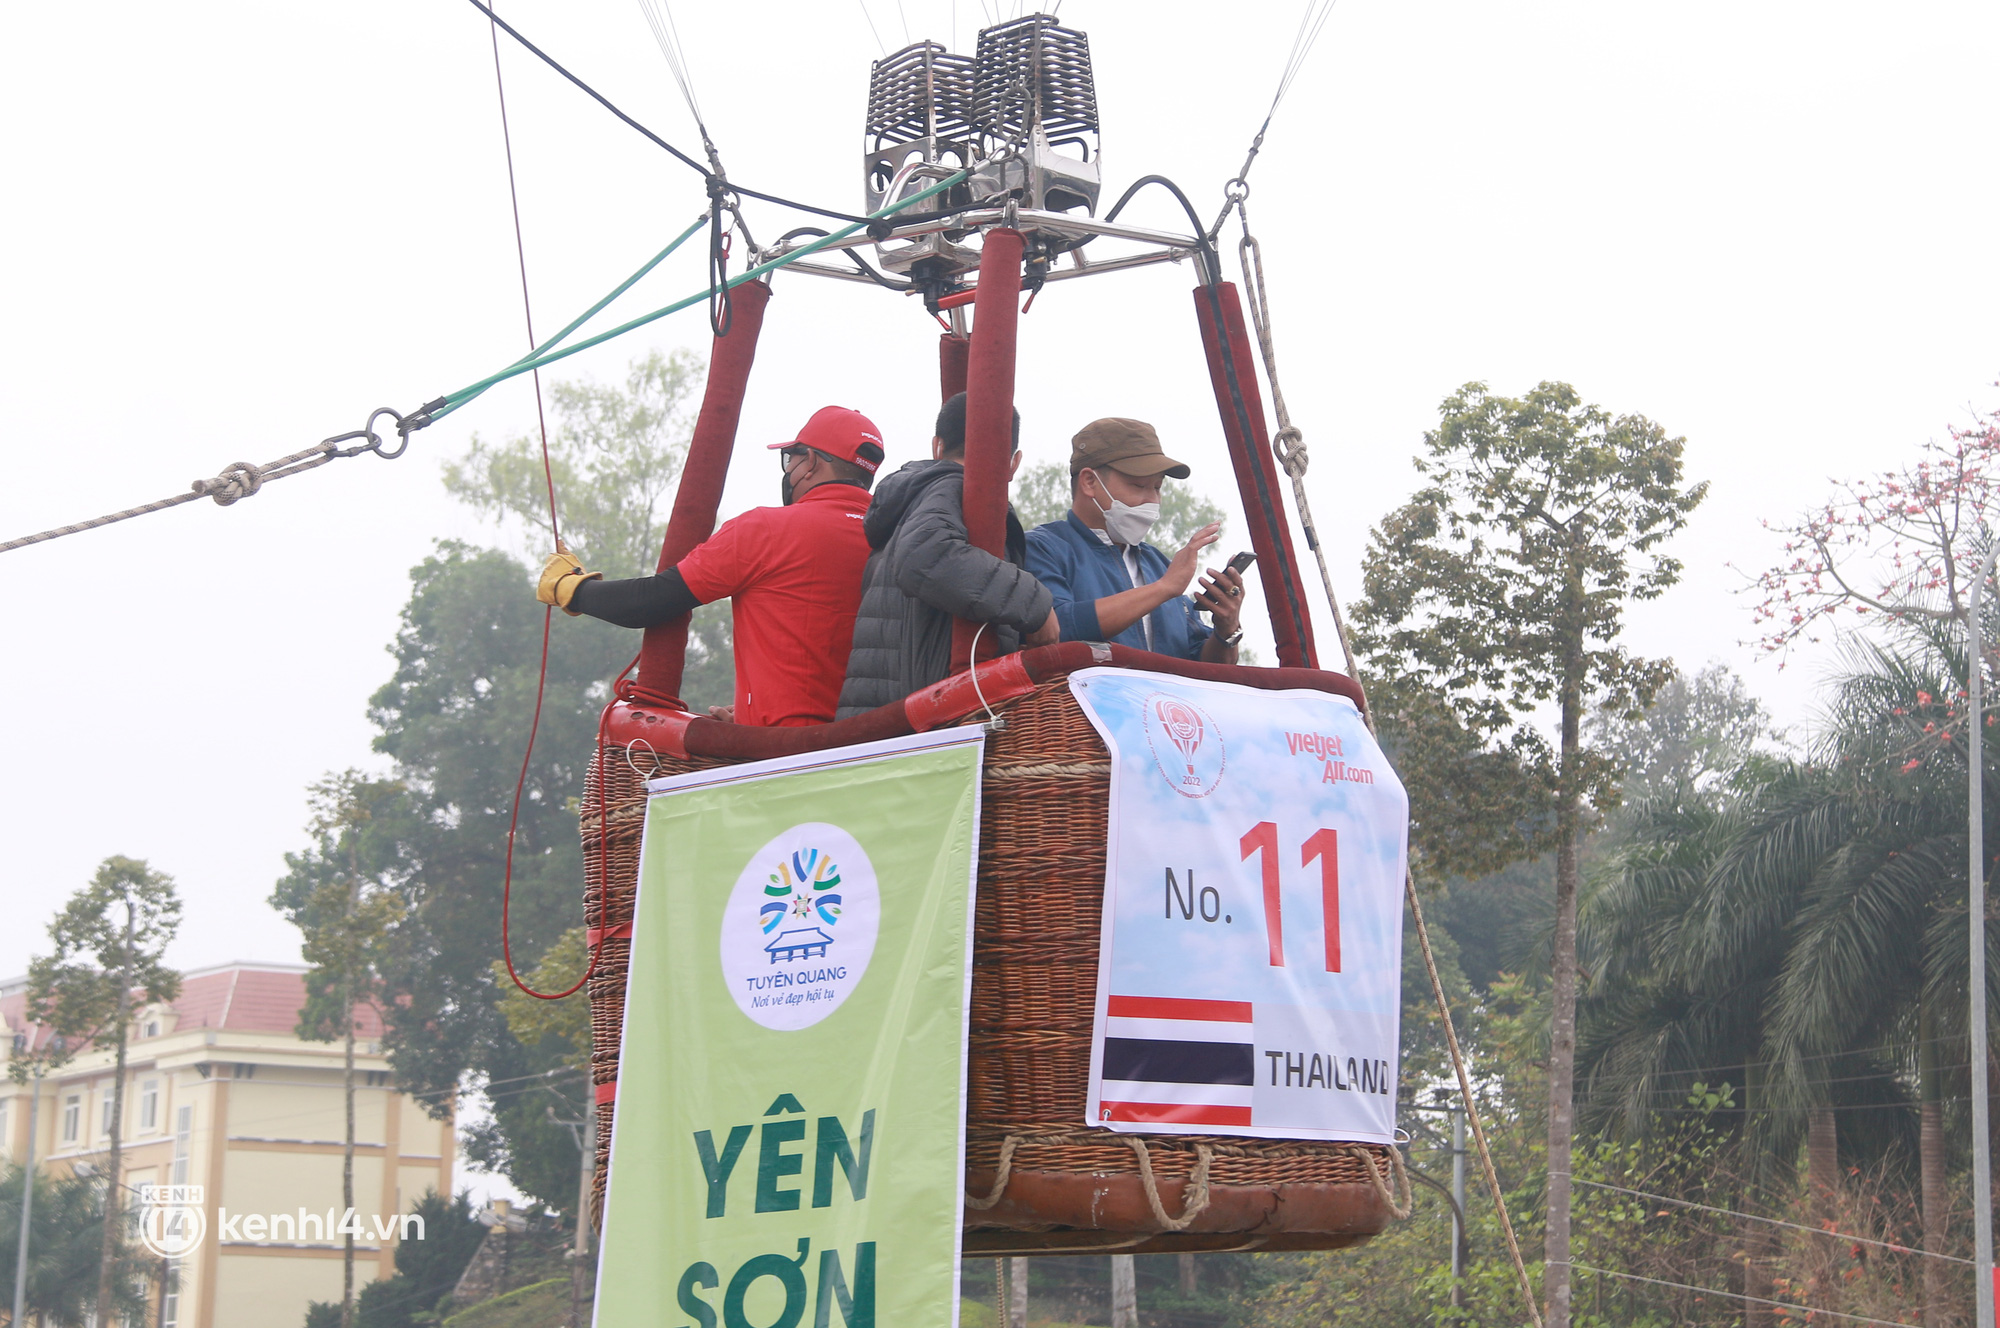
(1249, 980)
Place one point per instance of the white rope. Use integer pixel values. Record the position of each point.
(1290, 446)
(1194, 1198)
(238, 480)
(1290, 442)
(880, 44)
(1397, 1172)
(1316, 14)
(660, 18)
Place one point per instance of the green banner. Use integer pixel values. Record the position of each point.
(788, 1145)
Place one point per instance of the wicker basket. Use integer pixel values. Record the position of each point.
(1065, 1188)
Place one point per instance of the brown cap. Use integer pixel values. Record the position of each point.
(1127, 446)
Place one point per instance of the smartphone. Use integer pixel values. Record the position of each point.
(1241, 562)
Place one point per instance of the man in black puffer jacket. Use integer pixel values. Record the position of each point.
(923, 572)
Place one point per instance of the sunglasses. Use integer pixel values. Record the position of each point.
(786, 456)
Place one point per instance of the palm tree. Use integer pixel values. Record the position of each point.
(1684, 926)
(1795, 929)
(1880, 949)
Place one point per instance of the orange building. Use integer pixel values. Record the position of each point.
(221, 1092)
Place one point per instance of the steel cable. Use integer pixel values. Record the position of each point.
(705, 171)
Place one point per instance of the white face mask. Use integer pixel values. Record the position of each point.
(1124, 523)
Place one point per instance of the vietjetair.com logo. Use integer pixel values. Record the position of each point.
(173, 1223)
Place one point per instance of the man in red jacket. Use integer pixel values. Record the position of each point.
(792, 573)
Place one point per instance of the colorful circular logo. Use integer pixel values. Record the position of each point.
(1187, 745)
(799, 928)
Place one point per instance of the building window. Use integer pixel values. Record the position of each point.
(152, 1028)
(183, 1139)
(149, 1105)
(104, 1116)
(170, 1293)
(72, 1120)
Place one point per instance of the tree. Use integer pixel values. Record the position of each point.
(526, 1138)
(66, 1236)
(339, 894)
(1502, 585)
(454, 717)
(1879, 954)
(1904, 546)
(426, 1270)
(612, 458)
(109, 939)
(1900, 543)
(1699, 731)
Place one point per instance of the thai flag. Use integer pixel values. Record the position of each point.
(1169, 1060)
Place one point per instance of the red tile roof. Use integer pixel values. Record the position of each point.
(238, 998)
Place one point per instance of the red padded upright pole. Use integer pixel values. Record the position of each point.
(1230, 369)
(952, 350)
(663, 654)
(989, 414)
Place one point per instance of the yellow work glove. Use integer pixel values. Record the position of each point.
(561, 575)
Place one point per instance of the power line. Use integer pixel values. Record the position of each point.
(716, 183)
(1737, 1295)
(1776, 1222)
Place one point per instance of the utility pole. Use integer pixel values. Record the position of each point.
(579, 1273)
(1975, 834)
(585, 1134)
(27, 1193)
(1458, 1210)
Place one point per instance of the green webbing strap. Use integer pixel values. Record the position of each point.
(592, 311)
(542, 356)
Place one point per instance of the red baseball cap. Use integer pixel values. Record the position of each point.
(840, 432)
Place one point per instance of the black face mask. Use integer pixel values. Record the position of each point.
(785, 489)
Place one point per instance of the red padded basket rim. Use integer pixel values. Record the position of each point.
(678, 733)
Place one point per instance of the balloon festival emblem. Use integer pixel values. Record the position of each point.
(1187, 745)
(799, 928)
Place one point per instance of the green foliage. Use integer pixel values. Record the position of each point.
(1697, 732)
(539, 1154)
(426, 1270)
(454, 717)
(344, 894)
(1474, 807)
(75, 991)
(1501, 585)
(402, 882)
(614, 455)
(1042, 495)
(65, 1241)
(532, 1306)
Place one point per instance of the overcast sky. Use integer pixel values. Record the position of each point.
(234, 229)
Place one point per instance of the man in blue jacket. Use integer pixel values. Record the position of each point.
(1108, 583)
